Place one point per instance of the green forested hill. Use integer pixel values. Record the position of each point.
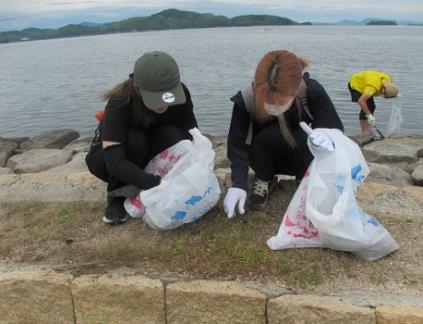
(167, 19)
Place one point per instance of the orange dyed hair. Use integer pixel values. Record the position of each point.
(278, 72)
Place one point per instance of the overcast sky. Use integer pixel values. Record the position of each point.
(23, 13)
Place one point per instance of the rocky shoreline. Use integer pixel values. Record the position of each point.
(393, 161)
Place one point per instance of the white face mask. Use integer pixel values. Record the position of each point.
(277, 110)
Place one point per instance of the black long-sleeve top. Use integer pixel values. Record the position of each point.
(320, 106)
(118, 119)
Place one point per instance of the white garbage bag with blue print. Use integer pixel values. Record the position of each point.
(189, 187)
(327, 195)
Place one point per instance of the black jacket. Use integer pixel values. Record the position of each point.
(320, 106)
(118, 120)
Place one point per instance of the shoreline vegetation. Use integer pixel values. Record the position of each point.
(164, 20)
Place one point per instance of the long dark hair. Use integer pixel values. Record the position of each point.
(127, 93)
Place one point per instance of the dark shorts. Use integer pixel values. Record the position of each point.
(355, 95)
(272, 154)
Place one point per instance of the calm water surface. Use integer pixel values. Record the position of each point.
(57, 83)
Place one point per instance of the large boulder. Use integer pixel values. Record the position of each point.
(394, 150)
(18, 140)
(4, 156)
(81, 144)
(38, 160)
(7, 147)
(77, 164)
(417, 174)
(7, 144)
(392, 175)
(55, 139)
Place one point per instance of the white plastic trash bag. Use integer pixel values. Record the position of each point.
(395, 120)
(324, 211)
(189, 187)
(296, 230)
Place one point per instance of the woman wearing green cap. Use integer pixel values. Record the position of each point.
(365, 85)
(147, 113)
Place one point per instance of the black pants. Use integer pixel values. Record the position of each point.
(140, 147)
(271, 154)
(355, 95)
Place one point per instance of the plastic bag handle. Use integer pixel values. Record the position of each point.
(307, 129)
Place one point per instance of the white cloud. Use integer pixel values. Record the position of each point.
(54, 5)
(59, 5)
(388, 5)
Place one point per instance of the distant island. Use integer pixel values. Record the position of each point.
(167, 19)
(382, 23)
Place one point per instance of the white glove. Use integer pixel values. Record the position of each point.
(234, 196)
(319, 140)
(371, 120)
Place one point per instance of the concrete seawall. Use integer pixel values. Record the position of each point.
(41, 295)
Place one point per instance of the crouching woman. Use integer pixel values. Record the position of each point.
(146, 114)
(265, 133)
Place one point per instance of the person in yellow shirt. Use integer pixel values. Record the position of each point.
(365, 85)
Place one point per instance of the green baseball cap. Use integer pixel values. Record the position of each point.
(156, 75)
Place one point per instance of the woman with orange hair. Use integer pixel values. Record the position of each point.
(265, 133)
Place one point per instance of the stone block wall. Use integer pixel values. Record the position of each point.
(45, 296)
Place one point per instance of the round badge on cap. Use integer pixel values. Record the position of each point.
(168, 97)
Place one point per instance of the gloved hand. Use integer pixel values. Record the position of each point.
(371, 120)
(319, 140)
(233, 197)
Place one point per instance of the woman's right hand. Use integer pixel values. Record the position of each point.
(371, 120)
(233, 197)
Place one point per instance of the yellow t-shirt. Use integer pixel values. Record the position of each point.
(369, 82)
